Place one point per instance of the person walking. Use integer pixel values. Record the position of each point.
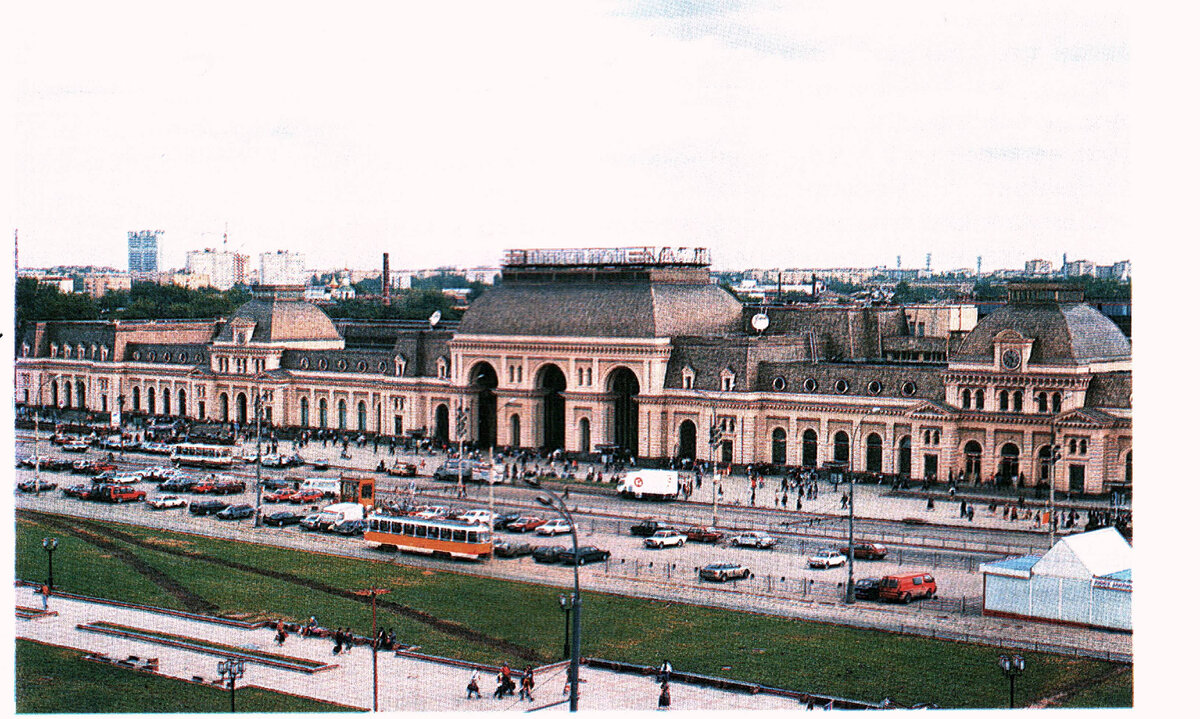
(473, 686)
(45, 592)
(664, 697)
(527, 684)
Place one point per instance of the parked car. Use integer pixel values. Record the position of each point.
(553, 527)
(723, 572)
(349, 527)
(866, 589)
(437, 512)
(79, 491)
(207, 506)
(904, 588)
(117, 494)
(307, 496)
(708, 535)
(647, 527)
(204, 486)
(403, 469)
(237, 511)
(235, 486)
(281, 460)
(179, 484)
(77, 445)
(450, 470)
(477, 516)
(504, 549)
(586, 554)
(527, 523)
(547, 555)
(279, 495)
(826, 559)
(665, 538)
(311, 521)
(502, 521)
(92, 468)
(866, 550)
(166, 501)
(282, 519)
(161, 473)
(319, 465)
(280, 483)
(755, 540)
(35, 487)
(31, 460)
(155, 448)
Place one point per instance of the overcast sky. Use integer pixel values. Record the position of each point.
(788, 134)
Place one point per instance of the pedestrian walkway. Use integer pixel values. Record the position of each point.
(405, 683)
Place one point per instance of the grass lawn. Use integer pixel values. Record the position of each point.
(55, 680)
(482, 619)
(1115, 691)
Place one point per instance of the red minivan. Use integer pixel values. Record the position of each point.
(907, 587)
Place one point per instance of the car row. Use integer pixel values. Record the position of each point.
(294, 496)
(567, 555)
(208, 485)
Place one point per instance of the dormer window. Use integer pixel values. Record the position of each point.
(689, 378)
(728, 378)
(443, 368)
(103, 352)
(400, 363)
(66, 351)
(25, 349)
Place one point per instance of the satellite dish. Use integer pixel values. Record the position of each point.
(760, 322)
(435, 318)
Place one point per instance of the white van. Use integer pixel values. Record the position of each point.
(649, 484)
(335, 513)
(328, 486)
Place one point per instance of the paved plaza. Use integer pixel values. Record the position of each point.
(405, 684)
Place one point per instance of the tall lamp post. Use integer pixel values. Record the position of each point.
(374, 592)
(50, 544)
(1055, 456)
(460, 426)
(258, 399)
(850, 528)
(564, 603)
(550, 499)
(231, 670)
(1012, 666)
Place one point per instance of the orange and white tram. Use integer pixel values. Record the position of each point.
(438, 537)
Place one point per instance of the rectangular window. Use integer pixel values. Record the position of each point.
(460, 535)
(420, 530)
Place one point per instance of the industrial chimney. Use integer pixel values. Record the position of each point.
(387, 284)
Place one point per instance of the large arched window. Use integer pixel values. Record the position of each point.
(243, 412)
(1041, 403)
(1056, 402)
(779, 446)
(341, 414)
(1010, 463)
(224, 407)
(904, 460)
(166, 397)
(1044, 457)
(181, 405)
(808, 454)
(80, 394)
(966, 399)
(1018, 400)
(1003, 397)
(874, 453)
(304, 411)
(978, 399)
(362, 416)
(973, 454)
(323, 413)
(151, 406)
(841, 447)
(687, 439)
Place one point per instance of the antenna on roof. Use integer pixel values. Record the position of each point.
(760, 322)
(435, 318)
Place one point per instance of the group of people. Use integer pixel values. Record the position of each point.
(505, 685)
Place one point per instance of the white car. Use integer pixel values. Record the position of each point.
(126, 478)
(77, 445)
(555, 526)
(433, 513)
(666, 538)
(166, 501)
(757, 540)
(478, 516)
(826, 559)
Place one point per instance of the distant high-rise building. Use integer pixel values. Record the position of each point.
(979, 265)
(281, 268)
(1038, 267)
(224, 269)
(1079, 268)
(143, 251)
(929, 262)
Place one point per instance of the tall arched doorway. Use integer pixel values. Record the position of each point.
(808, 448)
(484, 382)
(182, 405)
(151, 405)
(1129, 468)
(972, 453)
(1010, 463)
(623, 385)
(841, 447)
(323, 413)
(242, 415)
(441, 424)
(551, 381)
(514, 430)
(585, 435)
(224, 402)
(67, 391)
(304, 411)
(1044, 455)
(904, 460)
(80, 395)
(779, 446)
(687, 439)
(166, 397)
(874, 453)
(362, 416)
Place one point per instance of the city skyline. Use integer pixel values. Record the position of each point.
(795, 136)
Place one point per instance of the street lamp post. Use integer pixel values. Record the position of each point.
(1012, 666)
(550, 499)
(564, 603)
(50, 544)
(232, 670)
(850, 527)
(460, 425)
(374, 592)
(258, 400)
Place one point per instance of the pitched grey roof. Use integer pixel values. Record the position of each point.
(1110, 389)
(834, 332)
(602, 309)
(926, 380)
(1063, 334)
(281, 318)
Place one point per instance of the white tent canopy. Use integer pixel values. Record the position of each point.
(1087, 555)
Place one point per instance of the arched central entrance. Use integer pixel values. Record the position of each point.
(484, 382)
(623, 385)
(1009, 464)
(441, 424)
(551, 381)
(687, 439)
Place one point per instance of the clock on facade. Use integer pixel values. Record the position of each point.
(1011, 359)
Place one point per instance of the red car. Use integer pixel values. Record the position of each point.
(229, 487)
(205, 487)
(525, 524)
(279, 495)
(866, 550)
(307, 496)
(118, 494)
(703, 534)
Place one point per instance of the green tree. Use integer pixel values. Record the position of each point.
(36, 302)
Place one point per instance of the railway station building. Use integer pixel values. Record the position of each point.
(636, 348)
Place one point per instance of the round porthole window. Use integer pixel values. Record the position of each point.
(810, 385)
(341, 364)
(382, 366)
(874, 387)
(137, 356)
(303, 363)
(779, 383)
(183, 356)
(150, 355)
(322, 363)
(841, 386)
(908, 389)
(361, 366)
(166, 357)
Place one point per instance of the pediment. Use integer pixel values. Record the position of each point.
(932, 410)
(1085, 418)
